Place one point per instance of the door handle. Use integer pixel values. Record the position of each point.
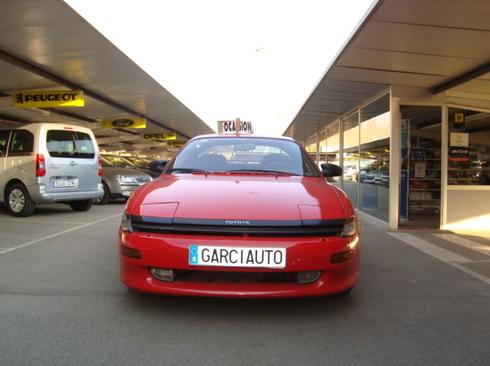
(73, 163)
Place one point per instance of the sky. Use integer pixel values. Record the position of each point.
(257, 60)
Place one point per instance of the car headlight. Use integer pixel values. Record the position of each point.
(124, 179)
(126, 223)
(350, 227)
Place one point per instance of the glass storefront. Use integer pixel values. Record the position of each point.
(332, 152)
(420, 183)
(360, 142)
(351, 157)
(469, 147)
(374, 172)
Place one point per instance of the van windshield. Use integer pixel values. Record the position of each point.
(69, 144)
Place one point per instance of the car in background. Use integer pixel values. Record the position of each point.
(120, 178)
(48, 163)
(240, 216)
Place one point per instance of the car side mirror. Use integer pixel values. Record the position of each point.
(157, 166)
(331, 170)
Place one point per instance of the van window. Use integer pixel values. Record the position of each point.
(85, 146)
(60, 143)
(4, 139)
(69, 144)
(21, 144)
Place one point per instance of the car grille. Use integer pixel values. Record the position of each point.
(215, 227)
(234, 277)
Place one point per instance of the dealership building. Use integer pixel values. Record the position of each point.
(405, 110)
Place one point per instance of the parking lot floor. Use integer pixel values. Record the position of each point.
(423, 299)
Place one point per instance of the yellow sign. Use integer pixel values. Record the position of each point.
(48, 99)
(160, 136)
(125, 122)
(459, 117)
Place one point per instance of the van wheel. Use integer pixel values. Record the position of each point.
(81, 206)
(19, 203)
(105, 198)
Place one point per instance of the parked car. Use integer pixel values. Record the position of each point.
(48, 163)
(240, 216)
(120, 178)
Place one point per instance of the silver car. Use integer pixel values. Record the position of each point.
(48, 163)
(120, 178)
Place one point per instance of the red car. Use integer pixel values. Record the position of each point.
(240, 216)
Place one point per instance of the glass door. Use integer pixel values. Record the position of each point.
(420, 191)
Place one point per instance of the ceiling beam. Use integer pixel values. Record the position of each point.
(461, 79)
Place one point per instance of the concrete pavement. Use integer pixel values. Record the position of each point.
(61, 303)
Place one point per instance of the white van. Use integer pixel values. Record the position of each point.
(47, 163)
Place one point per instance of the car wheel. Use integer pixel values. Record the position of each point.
(105, 198)
(19, 203)
(81, 206)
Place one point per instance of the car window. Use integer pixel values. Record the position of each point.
(70, 144)
(61, 144)
(85, 146)
(227, 154)
(22, 143)
(4, 138)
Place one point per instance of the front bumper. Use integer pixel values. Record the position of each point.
(303, 254)
(39, 194)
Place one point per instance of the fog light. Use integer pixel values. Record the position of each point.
(130, 252)
(341, 257)
(163, 274)
(42, 188)
(308, 276)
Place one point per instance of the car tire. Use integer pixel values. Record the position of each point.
(105, 198)
(18, 201)
(81, 206)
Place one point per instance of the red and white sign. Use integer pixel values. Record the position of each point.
(235, 127)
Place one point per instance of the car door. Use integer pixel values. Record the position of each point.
(20, 163)
(87, 160)
(72, 163)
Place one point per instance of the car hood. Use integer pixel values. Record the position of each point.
(239, 197)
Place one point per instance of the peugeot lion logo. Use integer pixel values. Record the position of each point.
(237, 222)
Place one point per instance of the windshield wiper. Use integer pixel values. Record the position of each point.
(187, 170)
(265, 171)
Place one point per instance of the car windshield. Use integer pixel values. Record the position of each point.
(244, 155)
(117, 161)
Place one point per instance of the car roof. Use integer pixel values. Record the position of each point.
(215, 135)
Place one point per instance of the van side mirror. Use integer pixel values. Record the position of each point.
(331, 170)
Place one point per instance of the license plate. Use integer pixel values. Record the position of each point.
(200, 255)
(65, 183)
